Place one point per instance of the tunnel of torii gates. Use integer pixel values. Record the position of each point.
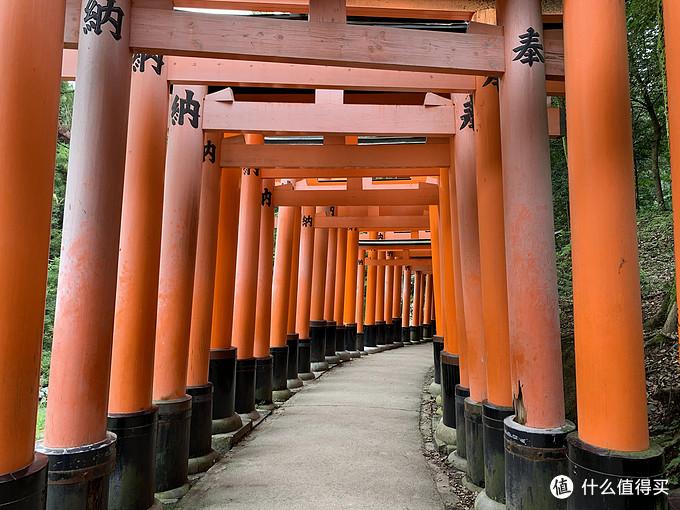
(398, 202)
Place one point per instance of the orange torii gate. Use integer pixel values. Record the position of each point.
(96, 387)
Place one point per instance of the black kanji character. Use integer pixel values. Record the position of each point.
(267, 197)
(381, 235)
(139, 62)
(331, 211)
(98, 15)
(468, 116)
(491, 80)
(307, 221)
(530, 49)
(210, 151)
(183, 107)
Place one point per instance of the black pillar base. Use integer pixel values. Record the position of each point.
(131, 485)
(380, 333)
(351, 340)
(330, 356)
(360, 342)
(450, 379)
(433, 326)
(263, 381)
(406, 335)
(533, 457)
(494, 450)
(427, 332)
(244, 402)
(304, 369)
(474, 442)
(280, 391)
(317, 332)
(25, 489)
(592, 465)
(173, 433)
(292, 379)
(201, 454)
(421, 332)
(369, 335)
(340, 350)
(222, 375)
(413, 335)
(437, 348)
(78, 477)
(395, 331)
(461, 393)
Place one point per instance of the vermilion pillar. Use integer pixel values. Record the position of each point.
(175, 290)
(427, 308)
(533, 318)
(329, 297)
(222, 372)
(415, 315)
(279, 298)
(304, 293)
(370, 336)
(380, 326)
(610, 372)
(339, 300)
(406, 307)
(493, 284)
(440, 318)
(396, 305)
(350, 300)
(360, 302)
(132, 417)
(293, 337)
(201, 454)
(468, 230)
(263, 364)
(25, 206)
(317, 324)
(389, 296)
(83, 327)
(454, 375)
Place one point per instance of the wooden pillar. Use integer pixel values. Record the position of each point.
(427, 307)
(380, 299)
(671, 16)
(406, 303)
(370, 335)
(360, 299)
(438, 282)
(389, 296)
(263, 307)
(534, 328)
(339, 299)
(329, 288)
(83, 327)
(396, 293)
(304, 292)
(319, 273)
(294, 268)
(247, 256)
(349, 315)
(533, 315)
(134, 332)
(610, 371)
(30, 101)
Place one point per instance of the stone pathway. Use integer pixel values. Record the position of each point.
(351, 439)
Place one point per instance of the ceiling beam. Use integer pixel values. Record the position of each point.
(327, 173)
(373, 223)
(321, 198)
(328, 118)
(436, 155)
(410, 261)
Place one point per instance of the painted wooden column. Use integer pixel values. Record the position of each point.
(370, 335)
(406, 306)
(415, 315)
(285, 232)
(25, 207)
(293, 337)
(396, 305)
(380, 326)
(489, 166)
(468, 231)
(613, 437)
(304, 292)
(222, 368)
(339, 300)
(131, 414)
(440, 317)
(329, 297)
(350, 298)
(175, 289)
(427, 308)
(317, 324)
(389, 296)
(201, 454)
(263, 307)
(454, 370)
(533, 317)
(671, 16)
(360, 300)
(247, 256)
(83, 327)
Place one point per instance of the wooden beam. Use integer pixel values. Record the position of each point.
(285, 197)
(373, 223)
(328, 173)
(248, 38)
(410, 261)
(329, 118)
(334, 156)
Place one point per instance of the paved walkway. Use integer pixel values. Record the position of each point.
(348, 440)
